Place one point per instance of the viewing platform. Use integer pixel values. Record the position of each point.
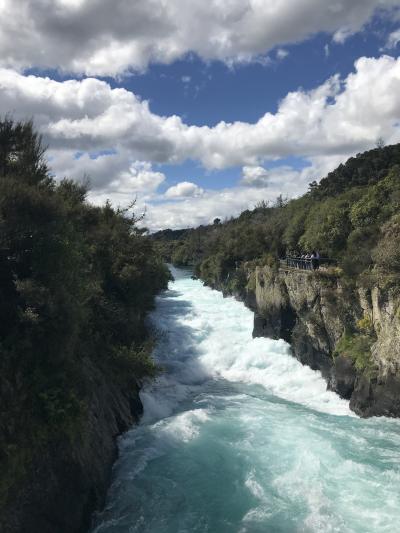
(301, 263)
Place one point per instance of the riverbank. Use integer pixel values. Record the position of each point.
(67, 479)
(77, 282)
(350, 333)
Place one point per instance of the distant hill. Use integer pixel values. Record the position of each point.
(363, 169)
(351, 215)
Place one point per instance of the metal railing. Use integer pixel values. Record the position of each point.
(303, 263)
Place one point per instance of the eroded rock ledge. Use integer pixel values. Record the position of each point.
(350, 334)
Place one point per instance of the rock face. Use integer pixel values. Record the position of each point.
(69, 479)
(296, 307)
(312, 312)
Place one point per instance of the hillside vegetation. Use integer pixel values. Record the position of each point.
(76, 284)
(352, 215)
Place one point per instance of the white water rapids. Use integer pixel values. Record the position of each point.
(238, 437)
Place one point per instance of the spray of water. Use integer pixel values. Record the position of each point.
(238, 436)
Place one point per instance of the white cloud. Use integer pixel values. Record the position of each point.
(255, 176)
(284, 176)
(138, 183)
(140, 177)
(113, 176)
(281, 53)
(184, 189)
(342, 34)
(95, 37)
(114, 129)
(393, 39)
(203, 209)
(222, 203)
(183, 211)
(228, 202)
(338, 117)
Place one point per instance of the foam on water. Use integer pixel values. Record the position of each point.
(238, 436)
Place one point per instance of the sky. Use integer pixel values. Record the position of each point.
(201, 109)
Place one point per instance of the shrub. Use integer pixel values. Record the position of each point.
(131, 364)
(358, 348)
(76, 283)
(387, 252)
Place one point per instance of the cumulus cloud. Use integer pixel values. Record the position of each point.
(222, 203)
(112, 176)
(103, 131)
(179, 212)
(95, 37)
(254, 176)
(140, 177)
(285, 176)
(338, 117)
(203, 209)
(228, 202)
(184, 189)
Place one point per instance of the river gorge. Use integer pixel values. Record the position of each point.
(238, 436)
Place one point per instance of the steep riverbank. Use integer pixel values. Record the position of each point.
(68, 478)
(350, 334)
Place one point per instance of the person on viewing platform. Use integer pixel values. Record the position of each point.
(303, 260)
(315, 260)
(307, 264)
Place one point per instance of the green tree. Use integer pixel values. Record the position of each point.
(76, 284)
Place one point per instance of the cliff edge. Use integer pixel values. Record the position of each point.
(350, 334)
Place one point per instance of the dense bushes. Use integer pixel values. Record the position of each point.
(356, 344)
(351, 216)
(387, 252)
(76, 282)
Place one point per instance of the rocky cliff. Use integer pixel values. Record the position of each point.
(350, 333)
(68, 480)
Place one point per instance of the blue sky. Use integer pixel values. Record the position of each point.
(203, 110)
(207, 93)
(217, 92)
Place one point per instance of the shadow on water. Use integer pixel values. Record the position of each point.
(177, 352)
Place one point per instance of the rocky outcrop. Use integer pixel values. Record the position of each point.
(379, 393)
(68, 480)
(297, 307)
(313, 311)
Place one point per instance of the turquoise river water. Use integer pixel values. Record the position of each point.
(238, 437)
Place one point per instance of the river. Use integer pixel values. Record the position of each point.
(238, 437)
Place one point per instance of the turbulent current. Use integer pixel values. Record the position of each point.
(238, 437)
